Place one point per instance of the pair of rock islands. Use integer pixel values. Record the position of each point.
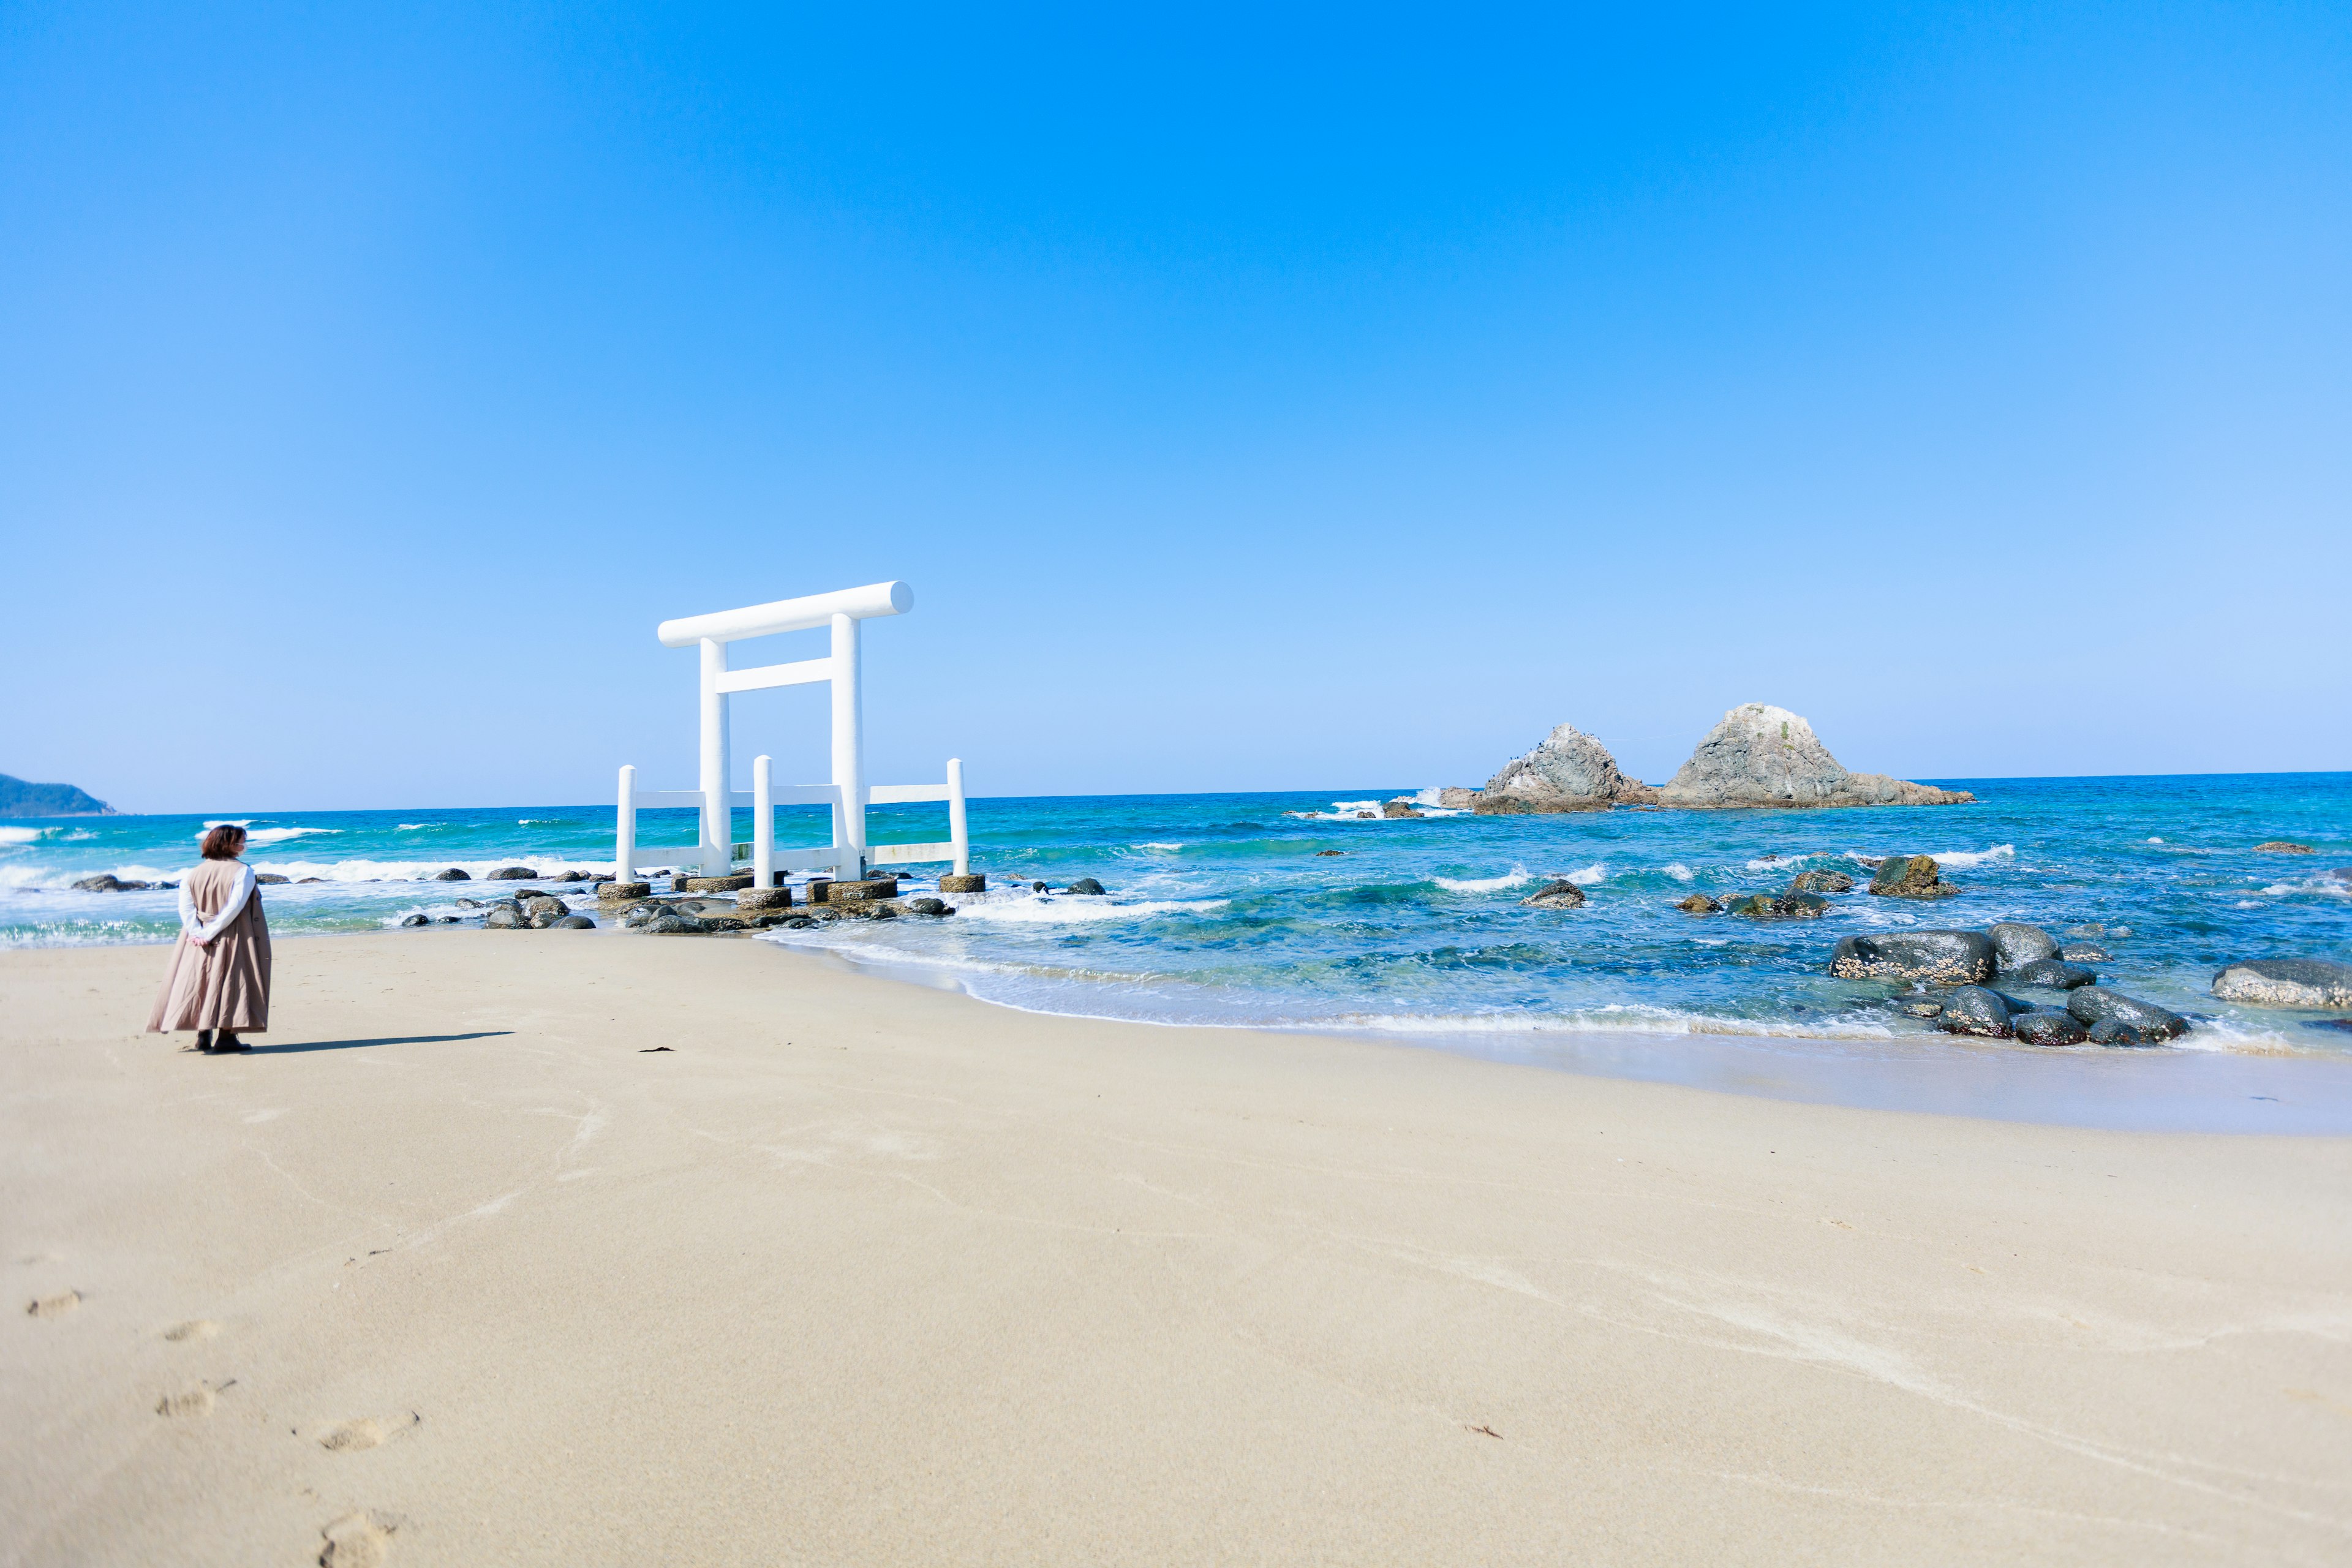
(1759, 756)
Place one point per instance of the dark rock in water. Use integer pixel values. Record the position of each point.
(2341, 873)
(926, 907)
(1937, 957)
(2096, 1005)
(2055, 972)
(312, 879)
(2342, 1025)
(1330, 852)
(1787, 907)
(1873, 862)
(1367, 817)
(106, 882)
(541, 904)
(1568, 771)
(453, 874)
(1821, 882)
(445, 919)
(1699, 904)
(569, 877)
(677, 925)
(417, 921)
(270, 879)
(1088, 885)
(882, 913)
(1036, 886)
(504, 917)
(1973, 1010)
(1910, 877)
(2114, 1032)
(1923, 1009)
(2044, 1028)
(1562, 894)
(1760, 755)
(2084, 953)
(798, 922)
(2283, 846)
(513, 874)
(572, 922)
(2016, 944)
(1401, 806)
(468, 903)
(2286, 983)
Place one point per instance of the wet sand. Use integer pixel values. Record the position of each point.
(458, 1269)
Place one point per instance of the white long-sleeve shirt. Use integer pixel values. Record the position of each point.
(202, 930)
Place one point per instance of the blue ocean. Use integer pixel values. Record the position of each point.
(1293, 911)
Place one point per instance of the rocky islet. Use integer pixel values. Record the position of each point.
(1758, 756)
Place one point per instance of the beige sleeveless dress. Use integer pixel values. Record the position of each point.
(224, 984)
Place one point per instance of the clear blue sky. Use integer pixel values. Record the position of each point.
(1337, 398)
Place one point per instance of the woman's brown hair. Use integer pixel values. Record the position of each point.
(223, 843)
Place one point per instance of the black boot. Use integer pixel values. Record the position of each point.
(229, 1042)
(205, 1040)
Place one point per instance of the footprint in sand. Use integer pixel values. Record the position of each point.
(346, 1437)
(196, 1399)
(54, 1306)
(367, 1432)
(195, 1329)
(357, 1540)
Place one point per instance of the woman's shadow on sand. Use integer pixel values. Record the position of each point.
(287, 1051)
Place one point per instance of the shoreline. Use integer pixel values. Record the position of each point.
(861, 1271)
(2147, 1089)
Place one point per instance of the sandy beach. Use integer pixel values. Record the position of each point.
(460, 1268)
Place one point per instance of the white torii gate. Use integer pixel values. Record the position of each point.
(848, 794)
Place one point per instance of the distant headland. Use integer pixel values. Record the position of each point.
(18, 798)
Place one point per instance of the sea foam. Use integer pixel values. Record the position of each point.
(1517, 875)
(1975, 857)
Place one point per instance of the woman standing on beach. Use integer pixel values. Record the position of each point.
(219, 981)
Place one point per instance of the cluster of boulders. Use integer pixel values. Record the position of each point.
(702, 913)
(1896, 876)
(2046, 998)
(1758, 755)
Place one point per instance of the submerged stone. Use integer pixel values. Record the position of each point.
(1561, 894)
(1910, 877)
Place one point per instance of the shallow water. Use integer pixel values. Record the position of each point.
(1224, 909)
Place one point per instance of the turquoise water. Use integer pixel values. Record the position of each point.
(1223, 909)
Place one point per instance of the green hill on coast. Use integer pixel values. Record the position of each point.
(18, 798)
